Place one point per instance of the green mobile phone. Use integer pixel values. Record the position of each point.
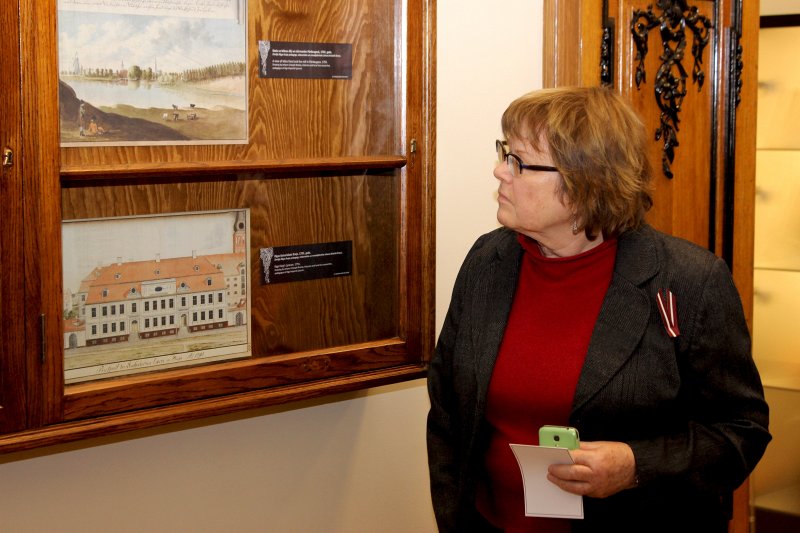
(559, 437)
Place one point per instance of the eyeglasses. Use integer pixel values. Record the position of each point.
(514, 163)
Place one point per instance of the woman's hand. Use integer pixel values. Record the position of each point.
(601, 469)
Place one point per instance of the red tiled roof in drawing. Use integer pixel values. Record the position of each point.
(112, 293)
(199, 283)
(113, 283)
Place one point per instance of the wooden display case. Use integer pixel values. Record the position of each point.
(325, 160)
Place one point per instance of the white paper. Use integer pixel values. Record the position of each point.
(543, 498)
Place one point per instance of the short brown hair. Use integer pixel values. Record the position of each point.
(599, 145)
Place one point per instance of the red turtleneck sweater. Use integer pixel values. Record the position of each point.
(555, 307)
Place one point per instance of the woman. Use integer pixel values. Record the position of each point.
(555, 319)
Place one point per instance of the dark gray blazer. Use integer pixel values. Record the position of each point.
(692, 408)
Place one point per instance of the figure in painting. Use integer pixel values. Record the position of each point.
(94, 128)
(82, 118)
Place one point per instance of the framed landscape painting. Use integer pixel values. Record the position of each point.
(152, 73)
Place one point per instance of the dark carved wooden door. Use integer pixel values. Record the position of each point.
(677, 61)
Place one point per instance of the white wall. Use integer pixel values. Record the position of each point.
(489, 54)
(351, 463)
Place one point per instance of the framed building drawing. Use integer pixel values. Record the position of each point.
(154, 292)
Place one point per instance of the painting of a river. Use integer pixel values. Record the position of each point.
(144, 73)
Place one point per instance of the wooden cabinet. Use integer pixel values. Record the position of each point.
(324, 160)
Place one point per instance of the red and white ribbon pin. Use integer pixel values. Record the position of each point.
(668, 311)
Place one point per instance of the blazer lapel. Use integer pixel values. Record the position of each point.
(623, 317)
(499, 284)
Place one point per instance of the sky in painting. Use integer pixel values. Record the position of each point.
(100, 242)
(170, 44)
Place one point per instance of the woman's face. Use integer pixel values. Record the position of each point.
(529, 203)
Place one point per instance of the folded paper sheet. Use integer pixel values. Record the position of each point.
(543, 498)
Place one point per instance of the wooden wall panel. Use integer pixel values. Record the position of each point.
(572, 47)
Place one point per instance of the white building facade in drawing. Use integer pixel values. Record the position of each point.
(160, 297)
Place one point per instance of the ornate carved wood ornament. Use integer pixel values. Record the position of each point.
(675, 17)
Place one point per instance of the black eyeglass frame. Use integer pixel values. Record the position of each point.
(503, 154)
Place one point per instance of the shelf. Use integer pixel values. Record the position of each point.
(95, 172)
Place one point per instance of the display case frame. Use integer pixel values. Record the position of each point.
(327, 160)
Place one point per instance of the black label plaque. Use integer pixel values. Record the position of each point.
(279, 59)
(307, 261)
